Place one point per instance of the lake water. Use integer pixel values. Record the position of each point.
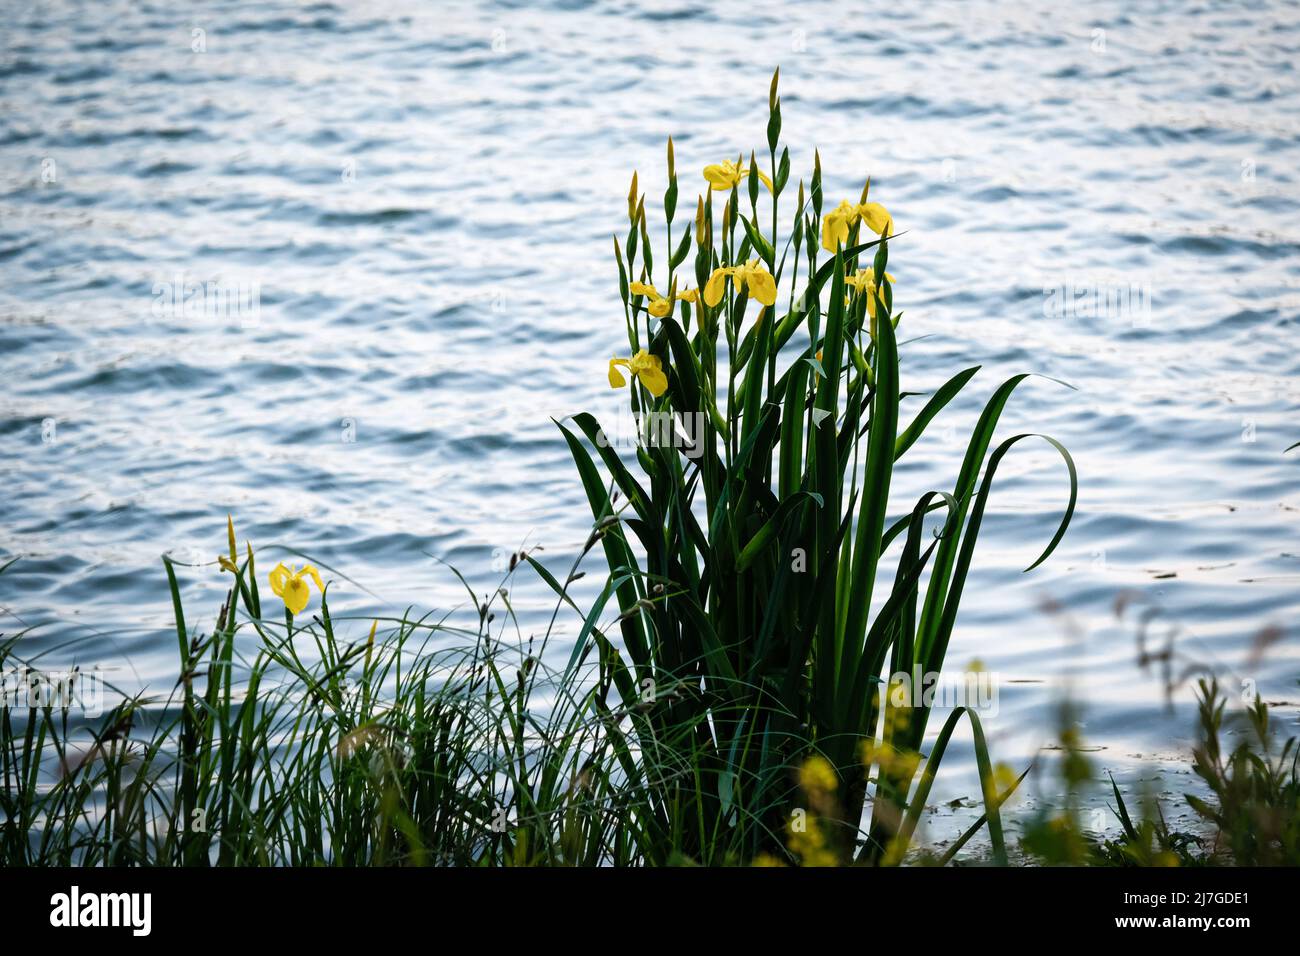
(423, 196)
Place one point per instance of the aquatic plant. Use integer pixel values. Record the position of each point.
(749, 553)
(282, 743)
(1250, 815)
(1148, 840)
(738, 707)
(1255, 786)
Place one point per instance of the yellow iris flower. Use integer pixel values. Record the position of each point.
(751, 275)
(837, 223)
(645, 367)
(865, 282)
(660, 306)
(290, 587)
(729, 173)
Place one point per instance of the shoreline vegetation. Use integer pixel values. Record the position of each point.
(727, 700)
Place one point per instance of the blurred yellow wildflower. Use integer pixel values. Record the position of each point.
(905, 764)
(895, 850)
(729, 173)
(900, 764)
(1004, 778)
(660, 306)
(867, 752)
(289, 586)
(817, 776)
(806, 841)
(645, 367)
(897, 720)
(751, 275)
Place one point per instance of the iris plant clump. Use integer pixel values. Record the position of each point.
(755, 564)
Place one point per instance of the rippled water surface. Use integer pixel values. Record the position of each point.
(424, 195)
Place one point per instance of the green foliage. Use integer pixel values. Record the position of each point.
(390, 751)
(746, 567)
(1149, 842)
(1253, 812)
(1255, 807)
(760, 595)
(1252, 815)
